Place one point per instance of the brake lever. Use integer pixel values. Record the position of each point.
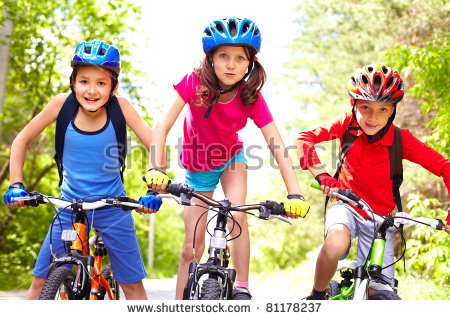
(182, 200)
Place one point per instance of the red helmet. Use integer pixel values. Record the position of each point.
(376, 83)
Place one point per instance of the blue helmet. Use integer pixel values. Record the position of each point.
(98, 53)
(232, 30)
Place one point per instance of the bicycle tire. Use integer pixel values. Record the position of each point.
(107, 273)
(384, 295)
(210, 290)
(58, 285)
(333, 289)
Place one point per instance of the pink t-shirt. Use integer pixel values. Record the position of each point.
(209, 143)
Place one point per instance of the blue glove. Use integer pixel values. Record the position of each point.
(150, 201)
(15, 190)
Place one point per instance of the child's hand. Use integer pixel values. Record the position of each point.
(156, 180)
(296, 206)
(150, 203)
(327, 183)
(15, 190)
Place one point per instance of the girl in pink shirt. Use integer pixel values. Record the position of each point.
(219, 101)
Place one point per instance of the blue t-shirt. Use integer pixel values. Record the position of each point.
(91, 164)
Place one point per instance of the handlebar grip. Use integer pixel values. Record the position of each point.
(271, 208)
(178, 188)
(316, 185)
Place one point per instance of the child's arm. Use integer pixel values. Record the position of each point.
(19, 146)
(160, 132)
(306, 152)
(135, 122)
(281, 155)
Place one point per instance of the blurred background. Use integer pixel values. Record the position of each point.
(309, 50)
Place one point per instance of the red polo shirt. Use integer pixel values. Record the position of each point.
(367, 165)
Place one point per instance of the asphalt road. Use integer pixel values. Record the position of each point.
(164, 289)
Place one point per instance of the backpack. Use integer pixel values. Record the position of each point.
(65, 115)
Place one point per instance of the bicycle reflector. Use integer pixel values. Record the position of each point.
(69, 235)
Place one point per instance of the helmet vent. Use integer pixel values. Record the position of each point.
(385, 70)
(377, 83)
(219, 27)
(208, 33)
(87, 50)
(232, 27)
(365, 80)
(389, 82)
(370, 69)
(353, 81)
(245, 27)
(256, 33)
(102, 52)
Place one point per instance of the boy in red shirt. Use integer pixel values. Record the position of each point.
(374, 93)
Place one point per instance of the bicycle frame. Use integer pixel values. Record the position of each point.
(216, 266)
(88, 277)
(86, 264)
(217, 263)
(373, 264)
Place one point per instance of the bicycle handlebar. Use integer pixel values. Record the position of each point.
(401, 218)
(35, 199)
(182, 194)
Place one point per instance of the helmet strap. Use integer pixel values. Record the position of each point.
(249, 70)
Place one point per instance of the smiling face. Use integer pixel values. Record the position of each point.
(230, 65)
(92, 86)
(372, 116)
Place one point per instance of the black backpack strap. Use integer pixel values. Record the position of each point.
(396, 156)
(65, 115)
(120, 127)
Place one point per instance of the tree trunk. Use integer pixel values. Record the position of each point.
(5, 37)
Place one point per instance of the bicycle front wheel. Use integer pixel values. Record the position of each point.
(58, 285)
(384, 295)
(108, 274)
(333, 289)
(210, 290)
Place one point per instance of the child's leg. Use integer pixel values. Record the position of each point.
(341, 228)
(335, 246)
(134, 291)
(35, 289)
(191, 215)
(234, 184)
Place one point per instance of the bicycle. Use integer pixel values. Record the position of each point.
(356, 280)
(89, 280)
(216, 278)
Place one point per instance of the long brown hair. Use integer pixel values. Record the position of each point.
(209, 91)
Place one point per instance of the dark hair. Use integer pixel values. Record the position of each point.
(209, 92)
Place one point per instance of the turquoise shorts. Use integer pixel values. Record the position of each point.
(208, 180)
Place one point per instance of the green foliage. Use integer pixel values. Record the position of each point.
(431, 72)
(276, 245)
(428, 251)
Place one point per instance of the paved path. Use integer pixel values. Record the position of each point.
(164, 289)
